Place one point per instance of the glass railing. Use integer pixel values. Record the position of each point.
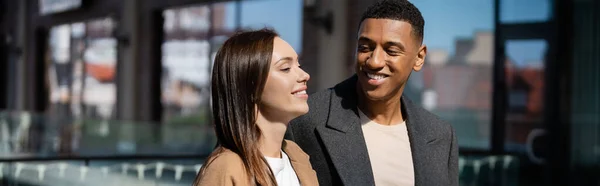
(37, 149)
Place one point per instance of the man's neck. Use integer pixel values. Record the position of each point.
(384, 112)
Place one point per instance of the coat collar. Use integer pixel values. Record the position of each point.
(301, 164)
(345, 143)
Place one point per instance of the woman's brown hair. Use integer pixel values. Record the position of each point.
(239, 75)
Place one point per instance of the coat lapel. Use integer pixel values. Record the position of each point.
(423, 142)
(345, 143)
(301, 164)
(343, 137)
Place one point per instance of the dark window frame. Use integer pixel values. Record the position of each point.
(37, 30)
(151, 108)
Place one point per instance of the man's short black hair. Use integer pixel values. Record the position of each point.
(400, 10)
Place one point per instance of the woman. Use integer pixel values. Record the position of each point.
(257, 88)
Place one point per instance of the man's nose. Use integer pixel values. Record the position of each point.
(376, 60)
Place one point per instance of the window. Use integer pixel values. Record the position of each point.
(192, 37)
(456, 80)
(185, 62)
(81, 66)
(283, 16)
(525, 89)
(517, 11)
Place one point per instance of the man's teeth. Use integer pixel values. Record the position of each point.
(374, 76)
(300, 93)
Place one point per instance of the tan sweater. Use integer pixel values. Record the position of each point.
(228, 168)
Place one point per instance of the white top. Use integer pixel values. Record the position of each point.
(283, 170)
(389, 152)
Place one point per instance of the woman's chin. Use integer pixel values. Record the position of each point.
(299, 112)
(304, 109)
(290, 112)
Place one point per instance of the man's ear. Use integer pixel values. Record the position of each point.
(420, 60)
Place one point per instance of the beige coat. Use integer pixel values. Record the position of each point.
(228, 169)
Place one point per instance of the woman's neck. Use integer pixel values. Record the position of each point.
(272, 134)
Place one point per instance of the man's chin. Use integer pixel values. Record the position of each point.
(375, 95)
(370, 92)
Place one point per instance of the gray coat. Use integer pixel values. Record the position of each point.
(331, 134)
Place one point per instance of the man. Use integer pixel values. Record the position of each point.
(363, 131)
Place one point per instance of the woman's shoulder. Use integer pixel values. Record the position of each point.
(224, 167)
(225, 160)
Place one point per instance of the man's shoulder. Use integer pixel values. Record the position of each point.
(428, 117)
(342, 89)
(318, 106)
(320, 97)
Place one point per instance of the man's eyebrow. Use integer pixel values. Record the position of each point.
(395, 43)
(387, 43)
(363, 38)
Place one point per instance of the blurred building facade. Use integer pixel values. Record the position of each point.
(519, 80)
